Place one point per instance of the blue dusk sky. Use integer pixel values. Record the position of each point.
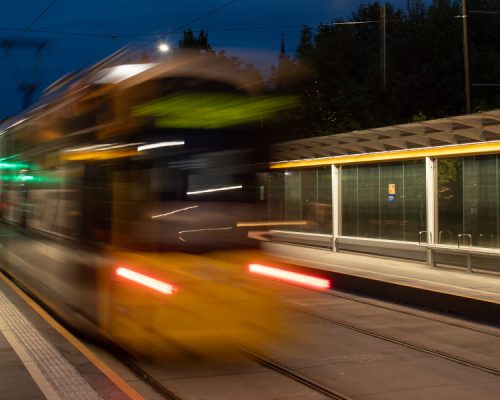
(250, 29)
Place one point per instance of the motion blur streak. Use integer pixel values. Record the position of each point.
(160, 144)
(144, 280)
(288, 276)
(119, 73)
(174, 212)
(215, 190)
(213, 110)
(269, 223)
(226, 228)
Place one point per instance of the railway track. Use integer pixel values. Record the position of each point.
(173, 393)
(165, 392)
(265, 362)
(397, 308)
(283, 370)
(407, 344)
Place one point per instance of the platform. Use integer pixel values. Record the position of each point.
(470, 295)
(39, 360)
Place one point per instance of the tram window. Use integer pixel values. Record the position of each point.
(168, 183)
(13, 203)
(222, 187)
(43, 199)
(96, 204)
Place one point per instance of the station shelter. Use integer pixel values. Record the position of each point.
(427, 191)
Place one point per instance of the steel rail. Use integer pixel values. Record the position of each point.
(295, 376)
(395, 308)
(433, 352)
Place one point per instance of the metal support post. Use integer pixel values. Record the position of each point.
(431, 205)
(336, 202)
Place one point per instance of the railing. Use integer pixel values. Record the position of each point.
(464, 247)
(464, 235)
(428, 237)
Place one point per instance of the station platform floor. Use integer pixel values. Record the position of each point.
(39, 359)
(471, 295)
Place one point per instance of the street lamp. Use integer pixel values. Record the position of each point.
(163, 47)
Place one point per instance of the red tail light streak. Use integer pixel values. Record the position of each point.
(145, 280)
(289, 276)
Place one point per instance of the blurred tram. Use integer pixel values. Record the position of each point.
(122, 195)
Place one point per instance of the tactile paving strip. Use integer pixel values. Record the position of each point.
(41, 357)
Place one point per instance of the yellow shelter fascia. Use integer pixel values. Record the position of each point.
(469, 149)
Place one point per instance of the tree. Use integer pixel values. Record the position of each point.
(190, 41)
(340, 91)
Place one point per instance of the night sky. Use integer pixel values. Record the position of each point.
(250, 29)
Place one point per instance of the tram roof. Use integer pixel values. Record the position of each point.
(407, 140)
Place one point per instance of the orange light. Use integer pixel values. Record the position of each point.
(289, 276)
(145, 280)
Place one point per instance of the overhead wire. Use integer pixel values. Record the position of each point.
(202, 17)
(114, 35)
(110, 36)
(231, 29)
(40, 15)
(23, 31)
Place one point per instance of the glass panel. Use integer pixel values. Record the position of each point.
(276, 195)
(302, 195)
(480, 200)
(391, 201)
(450, 200)
(498, 200)
(325, 200)
(414, 200)
(309, 180)
(368, 201)
(349, 178)
(293, 194)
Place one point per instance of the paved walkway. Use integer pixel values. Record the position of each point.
(406, 281)
(38, 361)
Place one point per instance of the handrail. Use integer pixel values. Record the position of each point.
(428, 237)
(467, 235)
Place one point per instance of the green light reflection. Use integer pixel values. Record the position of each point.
(212, 110)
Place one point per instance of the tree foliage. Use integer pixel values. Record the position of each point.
(191, 41)
(340, 68)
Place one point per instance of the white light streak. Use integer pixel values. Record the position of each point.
(215, 190)
(121, 72)
(13, 125)
(160, 144)
(145, 280)
(269, 223)
(17, 123)
(92, 147)
(103, 147)
(173, 212)
(202, 230)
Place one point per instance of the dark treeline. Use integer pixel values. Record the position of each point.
(337, 69)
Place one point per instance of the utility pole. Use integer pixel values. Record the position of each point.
(465, 13)
(383, 53)
(26, 87)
